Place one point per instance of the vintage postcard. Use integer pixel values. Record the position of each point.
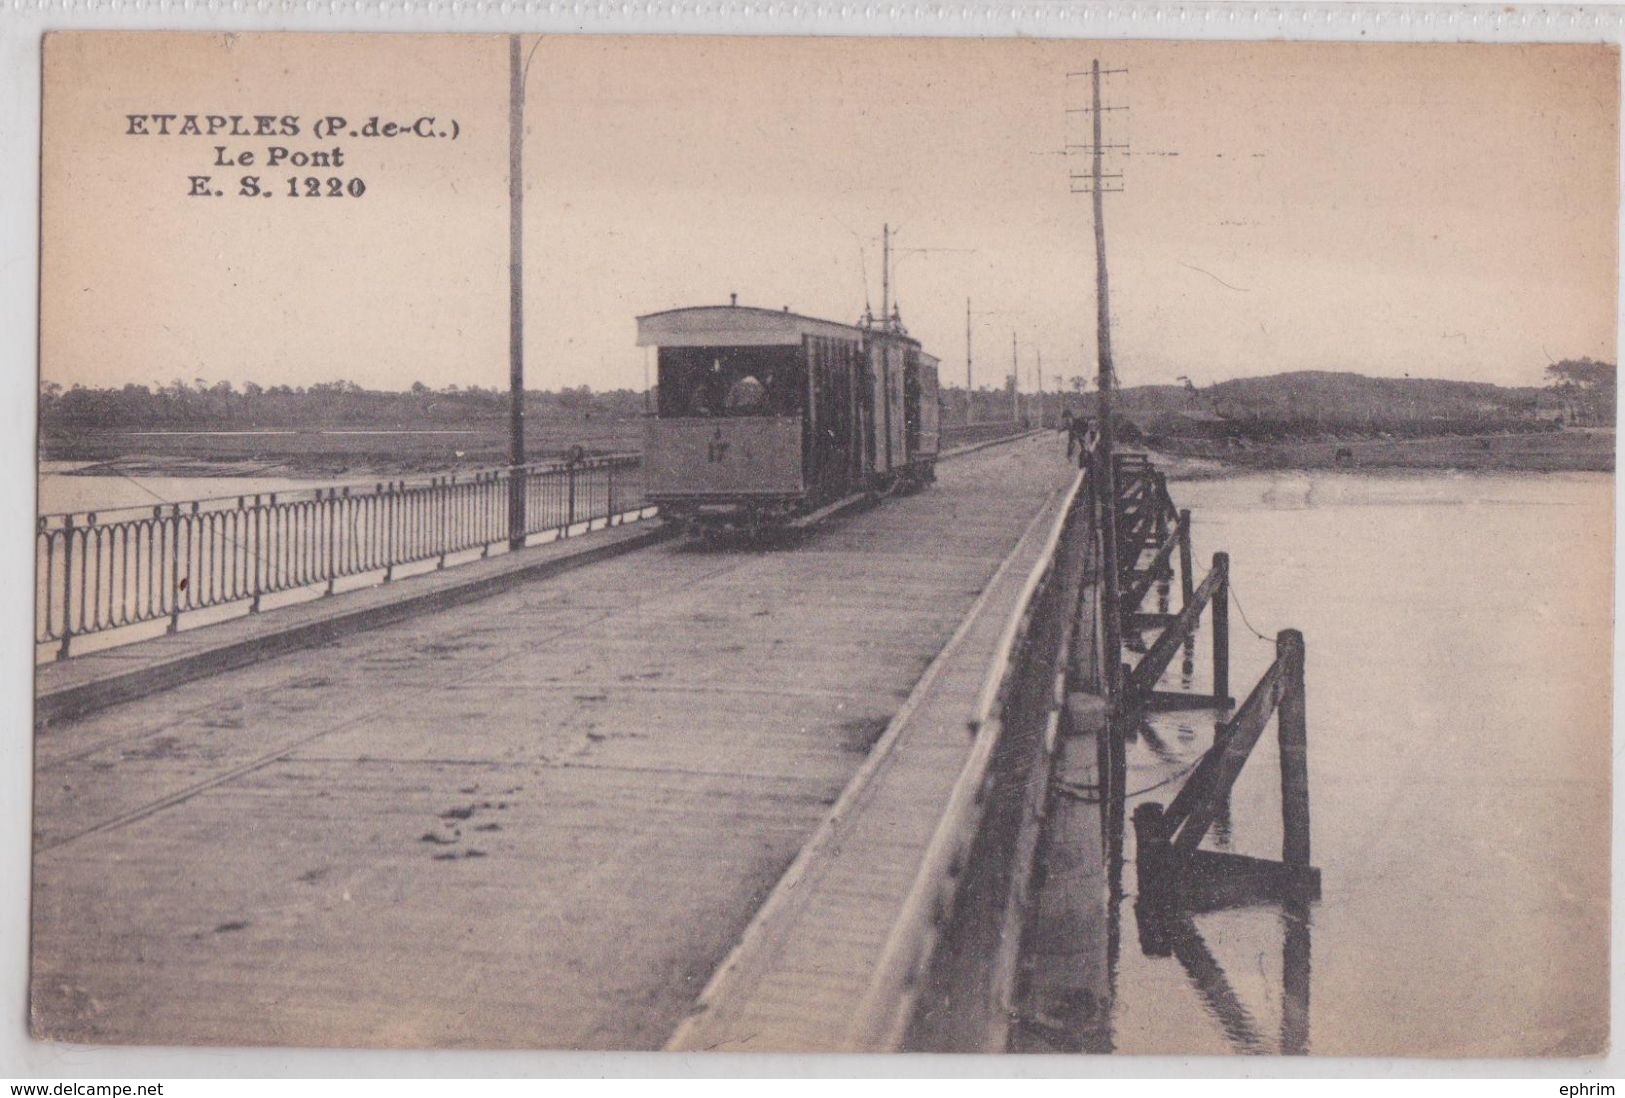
(825, 544)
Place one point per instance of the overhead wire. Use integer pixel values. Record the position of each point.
(1088, 794)
(1235, 597)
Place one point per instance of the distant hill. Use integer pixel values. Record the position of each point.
(1314, 402)
(1341, 397)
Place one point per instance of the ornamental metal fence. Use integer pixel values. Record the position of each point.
(105, 570)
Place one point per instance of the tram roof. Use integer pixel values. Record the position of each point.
(738, 326)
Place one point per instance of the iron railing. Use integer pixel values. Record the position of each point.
(965, 435)
(98, 571)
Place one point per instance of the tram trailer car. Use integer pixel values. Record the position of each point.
(765, 416)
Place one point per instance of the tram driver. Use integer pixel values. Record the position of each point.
(746, 395)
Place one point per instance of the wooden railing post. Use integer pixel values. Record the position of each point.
(516, 505)
(1154, 854)
(389, 533)
(482, 507)
(1161, 521)
(256, 523)
(175, 570)
(67, 587)
(1292, 728)
(333, 538)
(442, 519)
(1187, 583)
(1221, 628)
(570, 513)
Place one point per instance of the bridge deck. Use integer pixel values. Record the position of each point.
(538, 820)
(806, 975)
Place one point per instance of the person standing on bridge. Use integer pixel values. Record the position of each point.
(1082, 437)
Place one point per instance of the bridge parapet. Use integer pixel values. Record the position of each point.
(876, 914)
(113, 569)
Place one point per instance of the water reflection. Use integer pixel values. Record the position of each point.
(1171, 933)
(1164, 932)
(1417, 673)
(1148, 760)
(1158, 753)
(1295, 949)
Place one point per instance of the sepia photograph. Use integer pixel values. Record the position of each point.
(1011, 545)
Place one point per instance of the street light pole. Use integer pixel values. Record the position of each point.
(969, 391)
(1040, 391)
(516, 312)
(1015, 382)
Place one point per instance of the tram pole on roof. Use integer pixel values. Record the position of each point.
(516, 312)
(885, 276)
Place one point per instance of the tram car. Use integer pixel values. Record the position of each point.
(767, 417)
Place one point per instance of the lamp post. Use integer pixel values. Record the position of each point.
(970, 395)
(969, 388)
(516, 311)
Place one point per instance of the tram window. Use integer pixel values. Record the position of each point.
(730, 381)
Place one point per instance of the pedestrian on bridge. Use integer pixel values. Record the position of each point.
(1081, 438)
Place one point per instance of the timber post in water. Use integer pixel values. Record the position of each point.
(1221, 629)
(1186, 584)
(1174, 874)
(1292, 730)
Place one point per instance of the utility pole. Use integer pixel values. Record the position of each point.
(1108, 476)
(1015, 383)
(1041, 386)
(516, 312)
(969, 388)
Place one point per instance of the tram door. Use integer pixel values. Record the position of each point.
(867, 427)
(832, 459)
(911, 405)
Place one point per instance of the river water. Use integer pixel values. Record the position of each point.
(60, 490)
(1459, 632)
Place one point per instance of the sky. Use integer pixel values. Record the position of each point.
(1431, 210)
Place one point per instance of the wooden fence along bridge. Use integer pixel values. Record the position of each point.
(1172, 870)
(861, 791)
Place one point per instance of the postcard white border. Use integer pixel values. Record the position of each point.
(22, 22)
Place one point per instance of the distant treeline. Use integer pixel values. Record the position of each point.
(224, 407)
(1303, 404)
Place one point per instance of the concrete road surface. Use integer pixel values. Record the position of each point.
(539, 820)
